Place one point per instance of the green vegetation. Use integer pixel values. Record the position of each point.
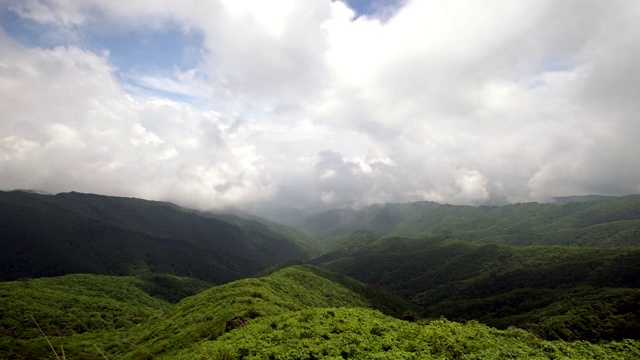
(206, 316)
(260, 227)
(609, 222)
(298, 312)
(120, 315)
(356, 333)
(85, 308)
(544, 288)
(47, 235)
(519, 281)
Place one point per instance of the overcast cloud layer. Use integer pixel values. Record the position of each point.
(311, 104)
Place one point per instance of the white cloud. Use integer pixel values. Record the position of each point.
(70, 126)
(301, 103)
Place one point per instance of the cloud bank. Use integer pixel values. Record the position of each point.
(312, 105)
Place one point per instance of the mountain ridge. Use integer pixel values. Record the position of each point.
(49, 235)
(574, 223)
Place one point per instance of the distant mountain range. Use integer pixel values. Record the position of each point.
(580, 198)
(591, 221)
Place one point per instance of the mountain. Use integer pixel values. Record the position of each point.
(256, 225)
(294, 313)
(283, 215)
(606, 222)
(545, 288)
(50, 235)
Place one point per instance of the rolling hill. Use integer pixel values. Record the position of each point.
(83, 308)
(546, 288)
(294, 313)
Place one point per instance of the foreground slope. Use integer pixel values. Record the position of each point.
(51, 235)
(222, 308)
(560, 292)
(357, 333)
(88, 316)
(82, 306)
(294, 313)
(605, 221)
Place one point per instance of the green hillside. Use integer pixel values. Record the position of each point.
(82, 306)
(259, 227)
(52, 235)
(206, 316)
(295, 313)
(545, 288)
(122, 316)
(357, 333)
(606, 222)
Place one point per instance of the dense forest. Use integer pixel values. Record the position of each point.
(608, 222)
(90, 276)
(546, 289)
(84, 233)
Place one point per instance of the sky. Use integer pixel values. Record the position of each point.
(320, 104)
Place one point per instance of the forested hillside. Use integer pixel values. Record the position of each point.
(357, 333)
(50, 235)
(609, 222)
(548, 289)
(82, 312)
(295, 313)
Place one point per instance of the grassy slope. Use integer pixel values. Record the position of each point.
(127, 317)
(356, 333)
(295, 313)
(204, 317)
(81, 307)
(608, 222)
(82, 233)
(503, 285)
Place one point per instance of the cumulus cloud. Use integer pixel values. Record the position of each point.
(312, 105)
(70, 126)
